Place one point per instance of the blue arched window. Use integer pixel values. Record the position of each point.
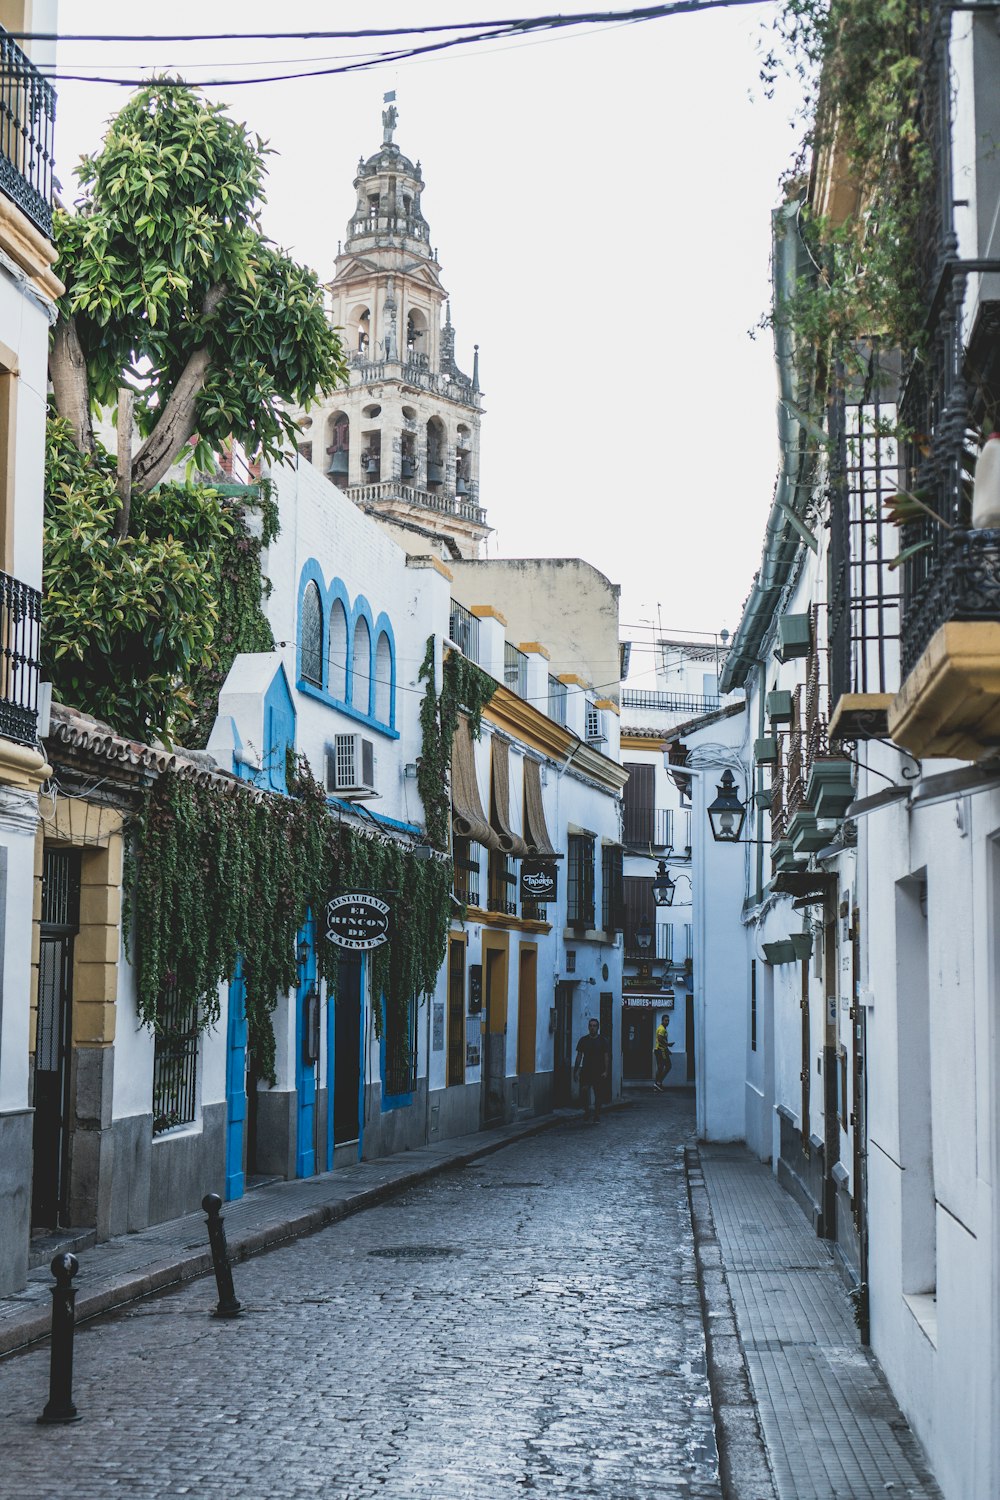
(337, 663)
(312, 636)
(362, 666)
(383, 679)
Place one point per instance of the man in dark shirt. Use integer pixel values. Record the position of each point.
(593, 1057)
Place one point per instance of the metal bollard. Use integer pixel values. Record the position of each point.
(60, 1406)
(227, 1306)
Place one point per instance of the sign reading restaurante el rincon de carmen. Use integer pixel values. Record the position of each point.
(358, 921)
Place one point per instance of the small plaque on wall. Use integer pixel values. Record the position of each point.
(437, 1026)
(475, 988)
(472, 1054)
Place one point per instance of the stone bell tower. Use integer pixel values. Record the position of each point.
(402, 440)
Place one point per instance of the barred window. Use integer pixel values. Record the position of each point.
(400, 1048)
(580, 880)
(465, 857)
(312, 636)
(612, 888)
(175, 1063)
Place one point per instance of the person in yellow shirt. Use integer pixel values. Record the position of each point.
(662, 1053)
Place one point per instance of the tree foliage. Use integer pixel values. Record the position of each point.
(171, 286)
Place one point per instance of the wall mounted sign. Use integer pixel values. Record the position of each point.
(539, 881)
(475, 988)
(358, 921)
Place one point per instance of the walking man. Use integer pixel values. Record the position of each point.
(662, 1053)
(593, 1057)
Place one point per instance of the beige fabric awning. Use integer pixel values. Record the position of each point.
(467, 816)
(535, 830)
(510, 842)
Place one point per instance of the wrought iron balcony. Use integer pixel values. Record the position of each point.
(20, 632)
(671, 703)
(27, 119)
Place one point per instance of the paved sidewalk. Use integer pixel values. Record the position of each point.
(829, 1422)
(133, 1265)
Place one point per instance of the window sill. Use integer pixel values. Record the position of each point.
(174, 1132)
(923, 1306)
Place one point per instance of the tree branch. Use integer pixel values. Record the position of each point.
(68, 370)
(177, 424)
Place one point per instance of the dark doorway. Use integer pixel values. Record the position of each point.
(637, 1043)
(347, 1054)
(562, 1061)
(495, 1040)
(60, 924)
(456, 1011)
(607, 1032)
(689, 1036)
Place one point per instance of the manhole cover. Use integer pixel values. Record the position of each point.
(413, 1252)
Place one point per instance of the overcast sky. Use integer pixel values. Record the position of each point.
(601, 207)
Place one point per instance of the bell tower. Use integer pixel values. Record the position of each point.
(402, 440)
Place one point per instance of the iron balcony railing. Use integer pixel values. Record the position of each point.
(381, 491)
(672, 703)
(20, 633)
(27, 120)
(648, 826)
(557, 700)
(515, 670)
(463, 627)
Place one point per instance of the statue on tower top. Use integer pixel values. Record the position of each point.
(389, 118)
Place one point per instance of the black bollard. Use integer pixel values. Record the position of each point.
(227, 1306)
(60, 1406)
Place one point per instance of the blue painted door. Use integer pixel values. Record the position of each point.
(305, 1038)
(236, 1084)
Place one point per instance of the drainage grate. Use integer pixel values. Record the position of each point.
(413, 1252)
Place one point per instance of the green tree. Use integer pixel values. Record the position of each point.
(177, 309)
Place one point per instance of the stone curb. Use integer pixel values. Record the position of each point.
(744, 1467)
(18, 1333)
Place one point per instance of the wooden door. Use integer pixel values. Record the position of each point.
(495, 1039)
(527, 1007)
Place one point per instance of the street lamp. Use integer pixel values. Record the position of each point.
(663, 886)
(727, 813)
(643, 936)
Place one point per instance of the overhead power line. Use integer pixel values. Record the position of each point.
(460, 34)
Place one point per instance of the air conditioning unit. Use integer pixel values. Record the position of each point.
(350, 766)
(596, 732)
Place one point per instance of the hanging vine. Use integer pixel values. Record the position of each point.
(464, 685)
(222, 873)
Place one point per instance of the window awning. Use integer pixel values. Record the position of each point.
(510, 842)
(467, 817)
(535, 831)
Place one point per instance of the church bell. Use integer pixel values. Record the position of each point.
(338, 464)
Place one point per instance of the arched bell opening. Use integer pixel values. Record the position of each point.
(437, 448)
(463, 460)
(360, 323)
(339, 449)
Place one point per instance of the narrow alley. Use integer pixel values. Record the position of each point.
(530, 1323)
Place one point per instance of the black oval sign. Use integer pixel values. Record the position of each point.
(358, 921)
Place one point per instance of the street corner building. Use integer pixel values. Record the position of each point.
(386, 621)
(847, 935)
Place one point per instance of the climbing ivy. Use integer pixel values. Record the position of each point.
(860, 65)
(220, 873)
(464, 685)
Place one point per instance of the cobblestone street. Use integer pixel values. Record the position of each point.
(526, 1325)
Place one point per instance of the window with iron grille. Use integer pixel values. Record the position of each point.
(175, 1063)
(400, 1048)
(463, 627)
(502, 896)
(688, 941)
(612, 888)
(515, 669)
(595, 723)
(465, 857)
(312, 636)
(557, 700)
(665, 941)
(580, 880)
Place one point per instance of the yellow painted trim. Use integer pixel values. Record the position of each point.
(30, 249)
(23, 768)
(487, 612)
(573, 679)
(502, 922)
(609, 704)
(73, 820)
(949, 705)
(495, 1018)
(857, 703)
(535, 648)
(639, 742)
(538, 732)
(424, 560)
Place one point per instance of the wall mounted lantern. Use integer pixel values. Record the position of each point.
(727, 813)
(663, 886)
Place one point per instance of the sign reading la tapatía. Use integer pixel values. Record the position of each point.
(358, 921)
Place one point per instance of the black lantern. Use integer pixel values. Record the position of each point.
(727, 813)
(302, 953)
(663, 886)
(643, 936)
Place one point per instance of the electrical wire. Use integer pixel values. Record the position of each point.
(486, 32)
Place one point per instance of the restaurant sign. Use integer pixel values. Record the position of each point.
(539, 880)
(358, 921)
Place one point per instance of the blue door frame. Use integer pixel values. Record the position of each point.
(305, 1073)
(236, 1084)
